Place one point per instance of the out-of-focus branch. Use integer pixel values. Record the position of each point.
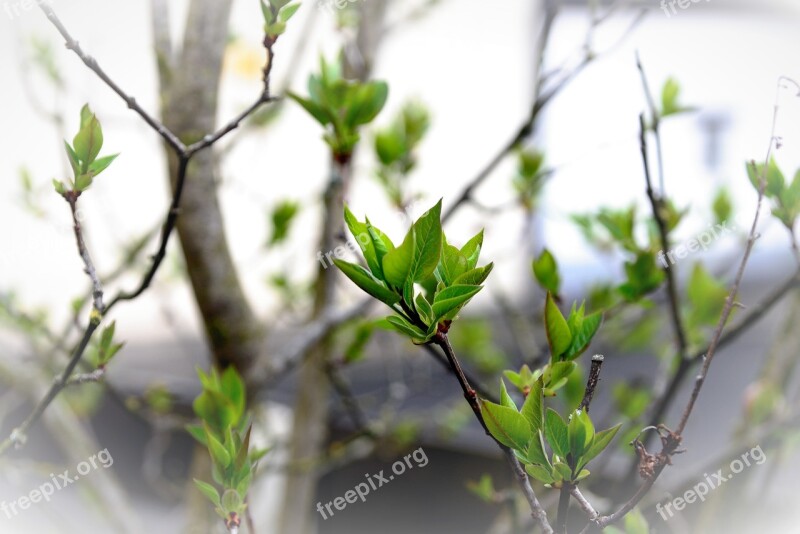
(541, 99)
(653, 465)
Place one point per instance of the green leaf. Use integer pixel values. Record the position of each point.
(507, 425)
(287, 12)
(381, 244)
(775, 179)
(540, 473)
(505, 399)
(281, 221)
(404, 327)
(472, 250)
(101, 164)
(452, 299)
(424, 309)
(536, 452)
(74, 160)
(555, 430)
(706, 297)
(533, 408)
(320, 114)
(355, 348)
(562, 471)
(275, 29)
(545, 269)
(583, 334)
(59, 187)
(581, 433)
(427, 244)
(219, 453)
(669, 98)
(722, 206)
(452, 264)
(474, 277)
(397, 262)
(89, 140)
(233, 389)
(644, 276)
(389, 146)
(484, 488)
(267, 12)
(367, 282)
(599, 443)
(635, 523)
(361, 234)
(82, 182)
(209, 491)
(369, 100)
(558, 335)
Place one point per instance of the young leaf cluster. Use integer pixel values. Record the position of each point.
(784, 196)
(448, 277)
(341, 106)
(83, 155)
(396, 146)
(616, 229)
(533, 429)
(567, 339)
(224, 430)
(276, 14)
(106, 348)
(530, 177)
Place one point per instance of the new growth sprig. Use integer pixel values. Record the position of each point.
(425, 280)
(83, 156)
(341, 106)
(225, 431)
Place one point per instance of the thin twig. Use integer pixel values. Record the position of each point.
(97, 287)
(351, 404)
(537, 511)
(584, 503)
(19, 435)
(657, 204)
(655, 116)
(672, 439)
(184, 153)
(541, 100)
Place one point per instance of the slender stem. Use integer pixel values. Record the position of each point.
(584, 503)
(672, 439)
(19, 435)
(657, 204)
(97, 287)
(563, 508)
(656, 126)
(537, 511)
(351, 404)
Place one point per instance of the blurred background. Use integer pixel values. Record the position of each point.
(476, 69)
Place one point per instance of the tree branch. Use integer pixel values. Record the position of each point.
(537, 511)
(672, 439)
